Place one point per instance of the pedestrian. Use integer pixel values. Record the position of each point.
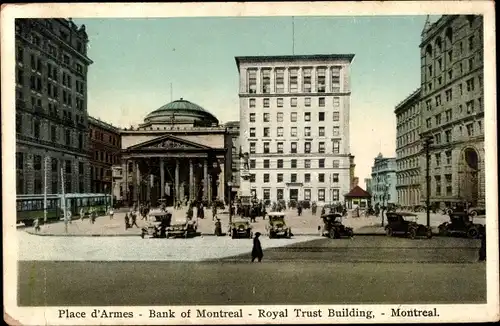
(482, 249)
(322, 210)
(82, 214)
(263, 212)
(257, 249)
(111, 213)
(134, 220)
(201, 211)
(127, 225)
(36, 224)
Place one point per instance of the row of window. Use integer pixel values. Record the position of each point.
(293, 147)
(266, 117)
(408, 150)
(54, 188)
(266, 132)
(294, 177)
(408, 179)
(408, 163)
(408, 138)
(470, 86)
(53, 164)
(293, 80)
(448, 135)
(98, 173)
(428, 86)
(96, 134)
(408, 125)
(106, 157)
(293, 102)
(293, 194)
(294, 164)
(438, 187)
(412, 113)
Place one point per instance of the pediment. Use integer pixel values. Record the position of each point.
(169, 142)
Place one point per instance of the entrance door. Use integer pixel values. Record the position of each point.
(294, 194)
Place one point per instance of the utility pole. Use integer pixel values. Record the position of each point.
(427, 144)
(45, 186)
(63, 204)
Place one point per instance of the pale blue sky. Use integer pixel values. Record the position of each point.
(135, 60)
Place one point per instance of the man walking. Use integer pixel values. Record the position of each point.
(134, 219)
(257, 249)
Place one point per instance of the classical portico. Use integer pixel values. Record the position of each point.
(178, 154)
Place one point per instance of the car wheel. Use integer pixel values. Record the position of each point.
(350, 233)
(473, 213)
(388, 232)
(412, 233)
(429, 233)
(443, 230)
(142, 235)
(472, 233)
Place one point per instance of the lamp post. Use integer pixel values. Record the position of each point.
(45, 186)
(230, 185)
(384, 201)
(427, 146)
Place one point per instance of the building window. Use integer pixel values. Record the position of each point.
(67, 166)
(280, 164)
(251, 103)
(307, 177)
(293, 80)
(470, 129)
(321, 102)
(448, 157)
(321, 194)
(266, 148)
(321, 177)
(470, 85)
(438, 159)
(307, 164)
(428, 123)
(19, 161)
(267, 194)
(293, 177)
(449, 95)
(279, 102)
(307, 194)
(252, 81)
(267, 132)
(293, 164)
(321, 147)
(252, 148)
(252, 164)
(252, 177)
(293, 147)
(267, 117)
(470, 107)
(266, 81)
(279, 132)
(266, 164)
(336, 79)
(280, 80)
(307, 147)
(336, 101)
(279, 194)
(438, 100)
(336, 116)
(252, 132)
(266, 177)
(280, 148)
(279, 116)
(438, 138)
(335, 177)
(252, 117)
(447, 134)
(336, 131)
(307, 131)
(448, 115)
(266, 102)
(279, 177)
(307, 116)
(438, 185)
(335, 164)
(321, 163)
(336, 147)
(293, 132)
(321, 80)
(321, 131)
(36, 128)
(293, 102)
(306, 80)
(307, 102)
(293, 116)
(438, 119)
(321, 116)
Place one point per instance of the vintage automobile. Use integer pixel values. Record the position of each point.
(241, 228)
(182, 227)
(460, 224)
(157, 224)
(477, 211)
(404, 223)
(276, 227)
(333, 227)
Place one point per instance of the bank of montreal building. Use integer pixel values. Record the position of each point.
(294, 123)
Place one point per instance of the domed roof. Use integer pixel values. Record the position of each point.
(181, 111)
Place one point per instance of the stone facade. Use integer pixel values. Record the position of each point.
(105, 147)
(383, 184)
(408, 151)
(452, 108)
(51, 106)
(294, 123)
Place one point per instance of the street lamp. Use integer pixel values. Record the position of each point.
(384, 201)
(230, 185)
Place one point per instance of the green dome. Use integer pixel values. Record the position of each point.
(181, 112)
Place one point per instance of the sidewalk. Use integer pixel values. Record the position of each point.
(307, 224)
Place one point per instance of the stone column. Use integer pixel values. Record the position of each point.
(259, 81)
(137, 181)
(205, 179)
(125, 181)
(191, 180)
(162, 177)
(314, 86)
(177, 194)
(222, 181)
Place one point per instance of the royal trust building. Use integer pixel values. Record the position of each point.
(294, 123)
(51, 106)
(452, 108)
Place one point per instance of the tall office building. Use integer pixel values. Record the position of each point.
(233, 128)
(51, 106)
(294, 123)
(383, 180)
(453, 108)
(408, 151)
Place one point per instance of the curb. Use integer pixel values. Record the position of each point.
(202, 234)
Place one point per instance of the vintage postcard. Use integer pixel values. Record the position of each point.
(249, 163)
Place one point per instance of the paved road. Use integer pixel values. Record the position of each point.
(203, 283)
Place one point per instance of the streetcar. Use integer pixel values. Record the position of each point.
(31, 207)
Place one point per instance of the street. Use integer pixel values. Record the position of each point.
(109, 271)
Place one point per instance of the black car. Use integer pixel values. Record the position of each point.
(460, 224)
(333, 227)
(401, 223)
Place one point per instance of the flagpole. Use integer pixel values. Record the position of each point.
(293, 35)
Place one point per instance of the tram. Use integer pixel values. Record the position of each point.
(30, 207)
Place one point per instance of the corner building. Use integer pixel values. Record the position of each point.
(453, 109)
(51, 106)
(408, 151)
(294, 123)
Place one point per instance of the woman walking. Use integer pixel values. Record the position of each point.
(257, 249)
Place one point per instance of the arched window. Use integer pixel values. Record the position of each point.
(449, 37)
(438, 46)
